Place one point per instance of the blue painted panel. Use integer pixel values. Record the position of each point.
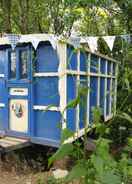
(93, 95)
(83, 61)
(102, 65)
(102, 93)
(2, 119)
(113, 94)
(71, 95)
(83, 103)
(109, 68)
(94, 64)
(2, 90)
(108, 97)
(47, 59)
(47, 124)
(2, 61)
(114, 69)
(71, 58)
(46, 91)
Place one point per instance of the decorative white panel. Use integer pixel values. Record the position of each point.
(19, 91)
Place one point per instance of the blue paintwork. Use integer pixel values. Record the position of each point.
(102, 65)
(94, 64)
(71, 95)
(46, 91)
(109, 68)
(48, 125)
(71, 58)
(46, 59)
(102, 94)
(45, 127)
(83, 61)
(93, 95)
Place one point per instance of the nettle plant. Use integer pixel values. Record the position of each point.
(98, 167)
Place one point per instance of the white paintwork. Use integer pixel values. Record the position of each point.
(2, 105)
(98, 93)
(46, 74)
(105, 88)
(18, 124)
(18, 91)
(2, 75)
(62, 53)
(88, 96)
(45, 108)
(77, 85)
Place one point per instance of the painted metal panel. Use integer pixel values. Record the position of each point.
(46, 91)
(2, 118)
(109, 68)
(83, 103)
(102, 65)
(46, 59)
(102, 94)
(108, 97)
(2, 90)
(2, 61)
(94, 64)
(71, 95)
(93, 95)
(83, 61)
(48, 124)
(71, 58)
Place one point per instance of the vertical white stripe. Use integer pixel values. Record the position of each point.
(62, 53)
(110, 103)
(77, 86)
(105, 92)
(88, 96)
(98, 95)
(115, 95)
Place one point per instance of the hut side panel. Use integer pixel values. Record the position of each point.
(46, 94)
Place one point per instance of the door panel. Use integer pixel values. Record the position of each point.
(18, 115)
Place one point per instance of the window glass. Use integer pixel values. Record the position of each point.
(13, 64)
(23, 64)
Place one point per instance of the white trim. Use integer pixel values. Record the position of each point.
(2, 105)
(62, 53)
(105, 90)
(45, 108)
(77, 84)
(46, 74)
(107, 118)
(115, 96)
(88, 95)
(2, 75)
(98, 94)
(72, 72)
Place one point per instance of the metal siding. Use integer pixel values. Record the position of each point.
(102, 94)
(47, 124)
(47, 59)
(46, 91)
(71, 95)
(71, 58)
(93, 95)
(109, 68)
(2, 61)
(83, 104)
(102, 65)
(83, 61)
(2, 118)
(94, 64)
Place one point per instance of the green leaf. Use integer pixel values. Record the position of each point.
(125, 116)
(64, 150)
(78, 171)
(98, 163)
(66, 133)
(109, 177)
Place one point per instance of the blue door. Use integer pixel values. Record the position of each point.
(19, 87)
